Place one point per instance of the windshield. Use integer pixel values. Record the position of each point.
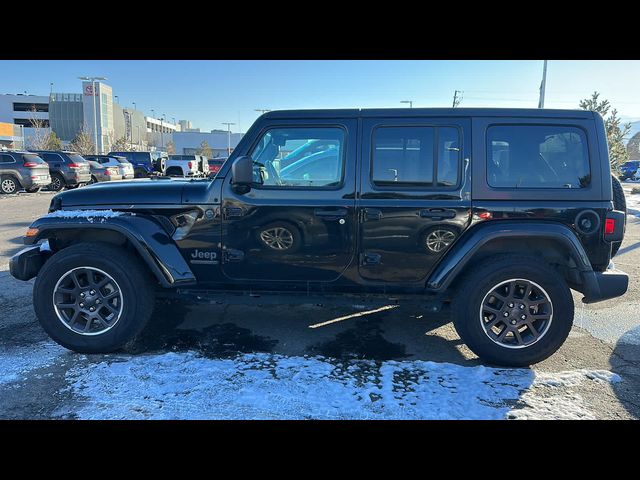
(121, 160)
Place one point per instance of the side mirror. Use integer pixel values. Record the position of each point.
(242, 173)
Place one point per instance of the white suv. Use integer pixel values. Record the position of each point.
(124, 166)
(187, 166)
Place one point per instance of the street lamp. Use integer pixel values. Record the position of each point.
(228, 124)
(134, 105)
(95, 118)
(162, 132)
(410, 102)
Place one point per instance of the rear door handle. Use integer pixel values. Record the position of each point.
(438, 213)
(335, 213)
(370, 214)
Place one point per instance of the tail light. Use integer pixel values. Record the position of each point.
(614, 225)
(190, 165)
(75, 165)
(609, 226)
(31, 164)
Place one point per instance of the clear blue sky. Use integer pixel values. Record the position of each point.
(211, 92)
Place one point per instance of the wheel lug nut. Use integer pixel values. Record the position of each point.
(97, 301)
(81, 304)
(82, 295)
(92, 292)
(511, 305)
(521, 307)
(523, 317)
(513, 322)
(505, 314)
(92, 309)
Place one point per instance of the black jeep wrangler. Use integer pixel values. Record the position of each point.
(496, 213)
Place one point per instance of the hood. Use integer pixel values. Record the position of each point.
(138, 192)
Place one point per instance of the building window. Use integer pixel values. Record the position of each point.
(29, 107)
(28, 123)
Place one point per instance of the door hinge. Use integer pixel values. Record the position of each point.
(370, 258)
(230, 255)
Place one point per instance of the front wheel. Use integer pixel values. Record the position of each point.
(57, 182)
(8, 185)
(513, 310)
(93, 298)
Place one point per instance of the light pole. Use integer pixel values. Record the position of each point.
(543, 85)
(410, 102)
(134, 105)
(162, 132)
(95, 117)
(228, 124)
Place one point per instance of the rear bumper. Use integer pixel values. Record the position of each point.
(26, 264)
(599, 286)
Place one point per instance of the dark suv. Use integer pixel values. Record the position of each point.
(629, 169)
(494, 213)
(68, 169)
(145, 164)
(22, 170)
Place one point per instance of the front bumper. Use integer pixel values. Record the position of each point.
(599, 286)
(26, 264)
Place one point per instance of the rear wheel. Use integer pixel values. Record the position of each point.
(93, 180)
(513, 310)
(57, 182)
(8, 185)
(93, 298)
(620, 203)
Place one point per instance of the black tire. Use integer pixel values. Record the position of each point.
(34, 189)
(480, 282)
(57, 182)
(295, 235)
(9, 185)
(620, 203)
(93, 180)
(131, 275)
(139, 173)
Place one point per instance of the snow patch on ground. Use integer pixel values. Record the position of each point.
(265, 386)
(17, 362)
(633, 204)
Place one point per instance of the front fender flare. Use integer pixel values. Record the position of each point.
(151, 241)
(465, 248)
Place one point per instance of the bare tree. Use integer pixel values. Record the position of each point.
(205, 150)
(171, 147)
(121, 145)
(83, 142)
(38, 140)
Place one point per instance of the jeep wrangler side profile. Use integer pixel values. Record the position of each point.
(497, 213)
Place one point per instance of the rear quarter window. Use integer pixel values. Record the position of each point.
(537, 156)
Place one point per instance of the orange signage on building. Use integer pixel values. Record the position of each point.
(6, 129)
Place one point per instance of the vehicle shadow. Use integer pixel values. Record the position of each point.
(625, 361)
(218, 331)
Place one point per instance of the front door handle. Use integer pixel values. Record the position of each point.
(438, 213)
(331, 214)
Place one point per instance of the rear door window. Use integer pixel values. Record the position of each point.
(537, 156)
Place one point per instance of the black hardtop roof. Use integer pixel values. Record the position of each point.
(432, 112)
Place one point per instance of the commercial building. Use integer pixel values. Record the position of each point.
(66, 115)
(10, 135)
(25, 111)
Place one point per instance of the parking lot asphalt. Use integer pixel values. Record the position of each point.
(200, 360)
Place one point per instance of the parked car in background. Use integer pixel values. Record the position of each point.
(103, 173)
(215, 164)
(124, 166)
(629, 169)
(68, 169)
(187, 166)
(20, 170)
(144, 164)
